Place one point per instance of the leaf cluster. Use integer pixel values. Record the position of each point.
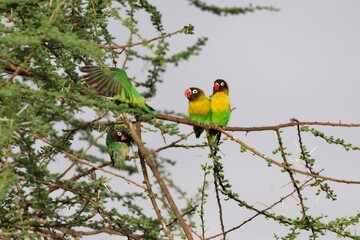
(47, 190)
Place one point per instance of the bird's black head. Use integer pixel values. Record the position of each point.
(193, 93)
(122, 136)
(220, 86)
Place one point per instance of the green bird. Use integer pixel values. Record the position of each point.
(220, 107)
(114, 82)
(199, 108)
(118, 143)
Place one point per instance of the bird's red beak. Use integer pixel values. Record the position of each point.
(123, 138)
(216, 86)
(188, 93)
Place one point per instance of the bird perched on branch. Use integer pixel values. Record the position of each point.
(114, 82)
(199, 108)
(220, 107)
(118, 143)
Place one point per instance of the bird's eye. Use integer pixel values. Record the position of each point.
(194, 91)
(119, 134)
(222, 84)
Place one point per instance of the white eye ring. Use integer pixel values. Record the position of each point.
(194, 91)
(119, 134)
(222, 84)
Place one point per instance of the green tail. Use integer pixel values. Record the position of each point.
(214, 136)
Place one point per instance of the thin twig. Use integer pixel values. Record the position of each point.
(294, 182)
(213, 151)
(272, 161)
(216, 179)
(115, 46)
(259, 212)
(9, 17)
(202, 203)
(173, 144)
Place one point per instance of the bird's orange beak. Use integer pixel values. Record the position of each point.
(123, 138)
(188, 93)
(216, 86)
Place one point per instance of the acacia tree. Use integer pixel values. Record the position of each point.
(55, 179)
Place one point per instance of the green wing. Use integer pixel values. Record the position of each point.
(118, 152)
(221, 118)
(114, 82)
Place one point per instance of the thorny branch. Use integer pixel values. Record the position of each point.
(294, 182)
(293, 122)
(149, 188)
(202, 201)
(159, 179)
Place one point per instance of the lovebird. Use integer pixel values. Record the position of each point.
(114, 82)
(118, 143)
(199, 108)
(220, 107)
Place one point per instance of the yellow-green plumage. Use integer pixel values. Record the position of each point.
(114, 82)
(199, 108)
(220, 107)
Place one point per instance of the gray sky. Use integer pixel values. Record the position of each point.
(301, 62)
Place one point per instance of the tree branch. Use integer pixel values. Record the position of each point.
(149, 188)
(293, 122)
(159, 179)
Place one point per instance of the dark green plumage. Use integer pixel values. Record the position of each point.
(118, 143)
(114, 82)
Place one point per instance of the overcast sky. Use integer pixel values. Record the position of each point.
(302, 62)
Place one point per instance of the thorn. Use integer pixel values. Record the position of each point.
(294, 120)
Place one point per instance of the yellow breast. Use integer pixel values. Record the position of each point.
(200, 107)
(220, 102)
